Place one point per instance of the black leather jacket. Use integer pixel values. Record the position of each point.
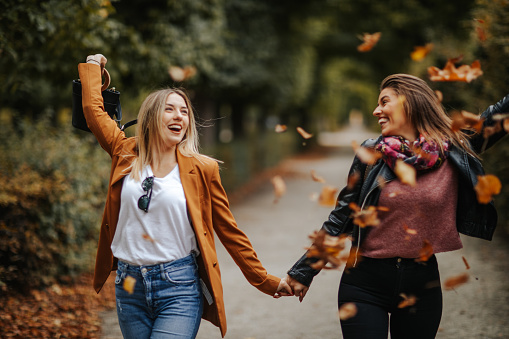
(472, 218)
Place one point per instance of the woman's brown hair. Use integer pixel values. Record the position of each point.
(425, 111)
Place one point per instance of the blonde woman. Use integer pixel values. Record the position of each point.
(415, 129)
(165, 201)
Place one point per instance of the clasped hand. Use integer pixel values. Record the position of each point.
(290, 286)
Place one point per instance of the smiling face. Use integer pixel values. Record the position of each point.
(175, 120)
(392, 117)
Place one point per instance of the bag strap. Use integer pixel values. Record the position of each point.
(128, 124)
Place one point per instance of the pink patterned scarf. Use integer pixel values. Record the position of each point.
(421, 154)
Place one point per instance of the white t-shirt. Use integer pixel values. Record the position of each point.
(162, 234)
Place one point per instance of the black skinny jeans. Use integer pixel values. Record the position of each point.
(375, 286)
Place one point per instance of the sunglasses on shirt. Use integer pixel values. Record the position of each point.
(144, 200)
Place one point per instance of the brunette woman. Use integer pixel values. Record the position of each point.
(386, 259)
(164, 203)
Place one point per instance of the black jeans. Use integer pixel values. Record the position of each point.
(375, 287)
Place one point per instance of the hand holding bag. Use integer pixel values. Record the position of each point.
(111, 99)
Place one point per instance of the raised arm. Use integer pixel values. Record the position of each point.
(99, 122)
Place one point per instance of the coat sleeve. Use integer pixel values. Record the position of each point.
(338, 222)
(235, 240)
(98, 121)
(478, 142)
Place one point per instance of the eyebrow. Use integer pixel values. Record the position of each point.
(172, 105)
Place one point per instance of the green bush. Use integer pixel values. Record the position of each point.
(54, 183)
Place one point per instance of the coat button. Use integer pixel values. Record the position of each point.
(214, 264)
(205, 233)
(107, 226)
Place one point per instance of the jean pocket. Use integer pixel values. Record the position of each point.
(184, 275)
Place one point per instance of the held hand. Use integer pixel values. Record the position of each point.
(283, 289)
(97, 59)
(299, 290)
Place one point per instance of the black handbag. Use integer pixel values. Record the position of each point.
(111, 99)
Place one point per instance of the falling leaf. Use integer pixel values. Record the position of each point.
(464, 73)
(455, 281)
(280, 128)
(425, 252)
(487, 186)
(328, 196)
(303, 133)
(409, 230)
(326, 249)
(366, 155)
(179, 74)
(464, 119)
(440, 96)
(366, 217)
(347, 311)
(465, 262)
(480, 30)
(506, 125)
(369, 41)
(279, 187)
(420, 52)
(351, 258)
(129, 283)
(316, 177)
(405, 172)
(148, 237)
(352, 180)
(407, 300)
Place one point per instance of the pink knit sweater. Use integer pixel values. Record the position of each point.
(424, 212)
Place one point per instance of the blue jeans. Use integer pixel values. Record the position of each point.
(166, 302)
(375, 287)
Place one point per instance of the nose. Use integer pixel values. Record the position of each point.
(377, 111)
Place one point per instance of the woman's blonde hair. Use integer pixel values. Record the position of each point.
(149, 131)
(425, 111)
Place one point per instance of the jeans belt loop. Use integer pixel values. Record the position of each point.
(161, 267)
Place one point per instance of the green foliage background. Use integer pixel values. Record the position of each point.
(259, 63)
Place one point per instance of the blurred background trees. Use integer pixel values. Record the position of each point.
(258, 63)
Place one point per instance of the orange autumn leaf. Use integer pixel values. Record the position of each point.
(420, 52)
(407, 300)
(504, 117)
(148, 237)
(409, 230)
(129, 283)
(480, 30)
(506, 125)
(487, 186)
(327, 249)
(279, 187)
(455, 281)
(425, 252)
(405, 172)
(464, 73)
(180, 74)
(366, 217)
(328, 196)
(366, 155)
(352, 180)
(465, 262)
(464, 119)
(347, 311)
(316, 177)
(369, 41)
(303, 133)
(280, 128)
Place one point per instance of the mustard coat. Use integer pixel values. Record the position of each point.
(207, 206)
